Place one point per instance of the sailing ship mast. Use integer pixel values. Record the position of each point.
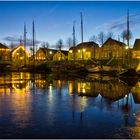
(25, 32)
(82, 34)
(128, 32)
(33, 42)
(73, 40)
(73, 34)
(81, 27)
(128, 37)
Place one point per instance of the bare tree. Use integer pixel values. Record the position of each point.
(123, 34)
(69, 42)
(47, 45)
(43, 45)
(59, 44)
(11, 45)
(93, 38)
(101, 37)
(126, 35)
(109, 35)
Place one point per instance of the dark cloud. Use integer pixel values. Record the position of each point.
(11, 39)
(16, 40)
(120, 23)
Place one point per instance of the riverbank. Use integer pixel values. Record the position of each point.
(77, 68)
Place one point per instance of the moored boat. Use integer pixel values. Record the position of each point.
(128, 73)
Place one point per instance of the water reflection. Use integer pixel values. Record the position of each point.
(42, 102)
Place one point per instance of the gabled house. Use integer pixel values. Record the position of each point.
(19, 56)
(4, 53)
(136, 49)
(44, 54)
(84, 51)
(60, 55)
(112, 49)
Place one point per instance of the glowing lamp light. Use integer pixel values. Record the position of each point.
(21, 58)
(79, 51)
(84, 50)
(50, 52)
(70, 51)
(83, 90)
(126, 47)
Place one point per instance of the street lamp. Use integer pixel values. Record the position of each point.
(127, 47)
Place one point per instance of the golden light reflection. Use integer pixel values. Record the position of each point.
(81, 104)
(40, 83)
(70, 87)
(59, 83)
(50, 92)
(135, 131)
(84, 87)
(136, 93)
(17, 92)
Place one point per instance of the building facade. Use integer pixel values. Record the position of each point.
(84, 51)
(4, 53)
(136, 49)
(113, 49)
(44, 54)
(60, 55)
(20, 56)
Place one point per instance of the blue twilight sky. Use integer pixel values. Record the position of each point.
(54, 20)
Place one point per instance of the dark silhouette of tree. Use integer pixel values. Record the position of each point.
(126, 35)
(45, 45)
(69, 42)
(11, 45)
(59, 44)
(109, 35)
(101, 37)
(93, 38)
(31, 49)
(123, 34)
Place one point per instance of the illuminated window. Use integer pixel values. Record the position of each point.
(21, 58)
(84, 50)
(70, 51)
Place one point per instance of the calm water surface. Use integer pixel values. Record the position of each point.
(47, 106)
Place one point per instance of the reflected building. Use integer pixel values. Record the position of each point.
(83, 88)
(113, 90)
(136, 93)
(5, 84)
(16, 91)
(109, 89)
(135, 131)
